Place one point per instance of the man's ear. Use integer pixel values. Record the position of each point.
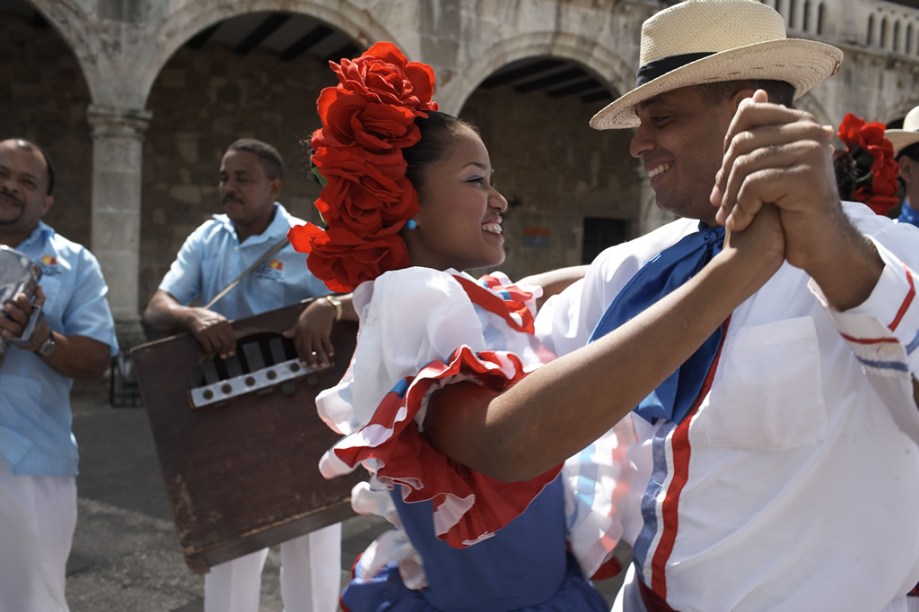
(743, 94)
(908, 170)
(274, 187)
(47, 204)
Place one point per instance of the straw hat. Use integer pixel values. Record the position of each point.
(704, 41)
(900, 139)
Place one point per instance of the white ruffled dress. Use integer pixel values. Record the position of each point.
(461, 540)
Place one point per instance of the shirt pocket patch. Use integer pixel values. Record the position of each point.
(268, 284)
(767, 392)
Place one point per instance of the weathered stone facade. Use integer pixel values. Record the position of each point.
(136, 119)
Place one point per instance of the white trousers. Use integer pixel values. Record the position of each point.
(38, 515)
(912, 604)
(310, 576)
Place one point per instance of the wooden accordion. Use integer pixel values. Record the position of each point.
(239, 440)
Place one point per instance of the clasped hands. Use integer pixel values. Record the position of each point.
(778, 170)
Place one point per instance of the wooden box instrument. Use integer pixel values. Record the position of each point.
(239, 440)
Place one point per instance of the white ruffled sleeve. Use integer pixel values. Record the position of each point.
(421, 330)
(402, 329)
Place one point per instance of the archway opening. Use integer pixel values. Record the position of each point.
(255, 75)
(565, 182)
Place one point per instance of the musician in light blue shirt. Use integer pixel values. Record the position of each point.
(75, 338)
(213, 256)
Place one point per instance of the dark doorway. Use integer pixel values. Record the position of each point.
(600, 233)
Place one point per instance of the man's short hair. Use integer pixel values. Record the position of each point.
(22, 143)
(779, 92)
(269, 157)
(912, 152)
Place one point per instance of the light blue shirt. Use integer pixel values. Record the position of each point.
(35, 414)
(212, 257)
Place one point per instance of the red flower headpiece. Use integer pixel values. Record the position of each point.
(367, 119)
(867, 168)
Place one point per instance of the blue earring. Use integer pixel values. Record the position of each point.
(411, 224)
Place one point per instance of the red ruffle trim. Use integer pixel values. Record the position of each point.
(473, 505)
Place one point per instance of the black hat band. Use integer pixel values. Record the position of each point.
(657, 68)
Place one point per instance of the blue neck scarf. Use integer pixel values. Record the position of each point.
(673, 399)
(908, 214)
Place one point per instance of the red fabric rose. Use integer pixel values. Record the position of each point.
(384, 74)
(364, 192)
(367, 120)
(344, 260)
(352, 119)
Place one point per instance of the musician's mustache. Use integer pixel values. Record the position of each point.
(9, 195)
(228, 198)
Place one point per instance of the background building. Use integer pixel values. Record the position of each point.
(137, 99)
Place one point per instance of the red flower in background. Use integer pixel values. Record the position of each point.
(871, 162)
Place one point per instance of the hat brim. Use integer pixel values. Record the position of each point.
(802, 63)
(900, 139)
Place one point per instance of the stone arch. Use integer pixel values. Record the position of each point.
(48, 75)
(125, 81)
(563, 180)
(603, 62)
(75, 28)
(180, 26)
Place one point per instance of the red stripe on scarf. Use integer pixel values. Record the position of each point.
(670, 507)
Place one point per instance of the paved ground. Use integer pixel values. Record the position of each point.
(125, 553)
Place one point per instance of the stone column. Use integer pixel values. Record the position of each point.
(118, 135)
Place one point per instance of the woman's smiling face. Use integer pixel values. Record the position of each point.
(459, 224)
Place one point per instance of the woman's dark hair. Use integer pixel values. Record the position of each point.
(846, 169)
(438, 131)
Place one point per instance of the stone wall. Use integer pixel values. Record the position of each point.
(554, 170)
(43, 98)
(202, 101)
(550, 164)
